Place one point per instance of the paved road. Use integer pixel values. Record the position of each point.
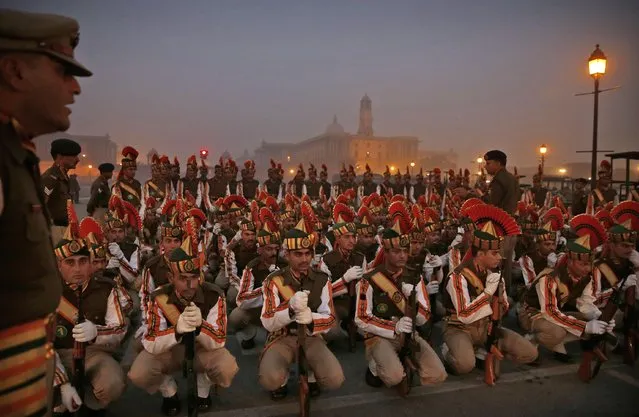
(552, 389)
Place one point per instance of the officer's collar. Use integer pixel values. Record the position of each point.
(290, 277)
(14, 143)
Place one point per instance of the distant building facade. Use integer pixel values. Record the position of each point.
(335, 147)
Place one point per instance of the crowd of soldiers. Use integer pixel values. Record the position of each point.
(354, 259)
(163, 270)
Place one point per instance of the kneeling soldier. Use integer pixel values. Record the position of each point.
(245, 318)
(89, 314)
(383, 312)
(559, 306)
(186, 304)
(470, 289)
(295, 295)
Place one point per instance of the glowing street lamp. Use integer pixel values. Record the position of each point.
(291, 171)
(542, 150)
(392, 168)
(596, 69)
(562, 171)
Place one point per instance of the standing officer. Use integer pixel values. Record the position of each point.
(100, 193)
(56, 186)
(37, 82)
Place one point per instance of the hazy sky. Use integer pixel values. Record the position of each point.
(468, 75)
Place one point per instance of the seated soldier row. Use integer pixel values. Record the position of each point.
(286, 289)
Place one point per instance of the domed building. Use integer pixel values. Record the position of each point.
(336, 146)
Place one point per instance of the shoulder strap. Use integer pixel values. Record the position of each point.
(67, 310)
(607, 272)
(473, 279)
(285, 291)
(170, 311)
(382, 282)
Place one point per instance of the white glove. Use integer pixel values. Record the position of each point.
(610, 327)
(433, 261)
(404, 325)
(634, 258)
(238, 236)
(85, 331)
(380, 229)
(593, 314)
(217, 228)
(457, 240)
(551, 259)
(114, 250)
(183, 325)
(193, 315)
(299, 301)
(272, 268)
(304, 316)
(596, 327)
(492, 282)
(562, 241)
(407, 289)
(432, 287)
(140, 332)
(353, 273)
(631, 281)
(70, 397)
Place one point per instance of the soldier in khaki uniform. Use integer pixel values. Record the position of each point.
(469, 292)
(55, 183)
(89, 312)
(382, 305)
(559, 306)
(186, 304)
(344, 266)
(298, 295)
(100, 193)
(245, 318)
(37, 82)
(126, 186)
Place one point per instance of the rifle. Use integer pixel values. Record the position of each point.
(351, 327)
(79, 354)
(493, 354)
(629, 327)
(409, 347)
(188, 370)
(594, 348)
(302, 372)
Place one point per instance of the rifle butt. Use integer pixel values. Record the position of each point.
(585, 367)
(489, 369)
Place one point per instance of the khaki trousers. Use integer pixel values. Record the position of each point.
(57, 233)
(277, 359)
(461, 342)
(245, 322)
(104, 376)
(148, 371)
(548, 334)
(391, 370)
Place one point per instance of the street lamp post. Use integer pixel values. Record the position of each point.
(542, 150)
(596, 68)
(412, 165)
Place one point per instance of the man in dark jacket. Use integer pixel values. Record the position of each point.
(37, 83)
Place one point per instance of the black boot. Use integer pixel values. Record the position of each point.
(171, 406)
(372, 380)
(204, 404)
(280, 393)
(313, 389)
(248, 344)
(563, 357)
